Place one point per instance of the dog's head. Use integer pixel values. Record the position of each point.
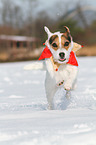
(60, 45)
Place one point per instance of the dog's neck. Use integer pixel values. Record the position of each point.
(55, 64)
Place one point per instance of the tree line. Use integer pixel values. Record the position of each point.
(20, 19)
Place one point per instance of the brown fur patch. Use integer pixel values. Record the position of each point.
(54, 42)
(65, 43)
(55, 64)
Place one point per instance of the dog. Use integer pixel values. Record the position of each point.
(61, 63)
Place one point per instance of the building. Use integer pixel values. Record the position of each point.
(9, 42)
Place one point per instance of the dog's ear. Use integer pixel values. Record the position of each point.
(47, 31)
(76, 47)
(67, 33)
(67, 30)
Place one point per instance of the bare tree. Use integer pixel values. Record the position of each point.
(7, 7)
(30, 21)
(81, 16)
(11, 14)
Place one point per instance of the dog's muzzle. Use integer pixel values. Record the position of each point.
(62, 56)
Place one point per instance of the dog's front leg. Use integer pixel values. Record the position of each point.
(50, 92)
(68, 85)
(50, 97)
(50, 88)
(68, 94)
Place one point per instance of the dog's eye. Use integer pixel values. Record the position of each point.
(54, 45)
(66, 44)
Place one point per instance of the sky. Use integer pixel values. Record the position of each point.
(58, 7)
(55, 8)
(51, 4)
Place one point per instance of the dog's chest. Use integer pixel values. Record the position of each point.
(62, 73)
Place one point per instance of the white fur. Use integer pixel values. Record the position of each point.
(66, 72)
(56, 53)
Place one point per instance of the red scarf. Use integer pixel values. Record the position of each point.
(47, 54)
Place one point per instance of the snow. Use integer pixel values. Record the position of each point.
(25, 119)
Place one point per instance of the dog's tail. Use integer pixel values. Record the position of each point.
(35, 66)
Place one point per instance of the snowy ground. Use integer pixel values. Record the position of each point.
(24, 118)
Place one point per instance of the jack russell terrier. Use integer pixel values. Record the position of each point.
(61, 63)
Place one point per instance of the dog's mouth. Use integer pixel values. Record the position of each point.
(62, 60)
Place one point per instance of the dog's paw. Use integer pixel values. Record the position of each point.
(61, 83)
(50, 107)
(67, 87)
(68, 94)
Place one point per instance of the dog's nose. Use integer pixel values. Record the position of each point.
(62, 54)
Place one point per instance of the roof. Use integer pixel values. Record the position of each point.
(18, 38)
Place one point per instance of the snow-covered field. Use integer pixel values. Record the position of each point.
(24, 118)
